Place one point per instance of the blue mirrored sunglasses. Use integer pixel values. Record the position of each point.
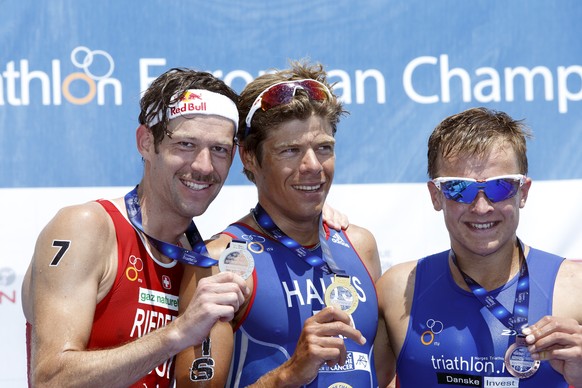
(465, 190)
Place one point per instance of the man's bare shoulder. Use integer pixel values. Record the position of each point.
(358, 233)
(365, 244)
(78, 246)
(568, 283)
(395, 287)
(399, 277)
(80, 223)
(89, 213)
(395, 292)
(217, 244)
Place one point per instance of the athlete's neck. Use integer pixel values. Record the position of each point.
(490, 271)
(162, 224)
(303, 230)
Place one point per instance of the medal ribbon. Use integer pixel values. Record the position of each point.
(521, 306)
(325, 263)
(193, 257)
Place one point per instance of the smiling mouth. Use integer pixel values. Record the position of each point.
(482, 226)
(196, 186)
(307, 187)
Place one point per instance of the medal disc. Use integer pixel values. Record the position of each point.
(237, 259)
(518, 360)
(342, 294)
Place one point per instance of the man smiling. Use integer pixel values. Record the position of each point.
(491, 311)
(101, 293)
(312, 315)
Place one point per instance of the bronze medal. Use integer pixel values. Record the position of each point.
(518, 360)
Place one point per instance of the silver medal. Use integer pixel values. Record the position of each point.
(237, 259)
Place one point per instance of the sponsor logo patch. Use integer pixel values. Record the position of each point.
(156, 298)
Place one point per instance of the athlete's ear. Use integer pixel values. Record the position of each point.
(523, 192)
(248, 159)
(145, 140)
(435, 196)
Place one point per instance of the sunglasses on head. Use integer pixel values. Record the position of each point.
(283, 92)
(465, 190)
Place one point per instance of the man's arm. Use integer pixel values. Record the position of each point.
(221, 335)
(395, 290)
(65, 285)
(558, 338)
(366, 247)
(384, 360)
(383, 355)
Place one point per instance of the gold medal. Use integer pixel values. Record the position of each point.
(342, 294)
(518, 359)
(237, 259)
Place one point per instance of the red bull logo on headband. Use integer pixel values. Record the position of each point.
(187, 107)
(185, 104)
(188, 96)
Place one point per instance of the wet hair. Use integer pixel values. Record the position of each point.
(301, 107)
(475, 132)
(168, 88)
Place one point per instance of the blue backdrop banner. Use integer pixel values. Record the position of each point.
(71, 73)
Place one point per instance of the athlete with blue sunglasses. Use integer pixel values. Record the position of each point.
(490, 311)
(465, 190)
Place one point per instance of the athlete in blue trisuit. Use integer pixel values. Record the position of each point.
(491, 311)
(312, 315)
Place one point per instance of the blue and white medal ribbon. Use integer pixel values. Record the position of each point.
(340, 293)
(196, 256)
(518, 360)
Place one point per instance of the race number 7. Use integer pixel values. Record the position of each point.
(64, 247)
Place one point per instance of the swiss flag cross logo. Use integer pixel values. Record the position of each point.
(166, 283)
